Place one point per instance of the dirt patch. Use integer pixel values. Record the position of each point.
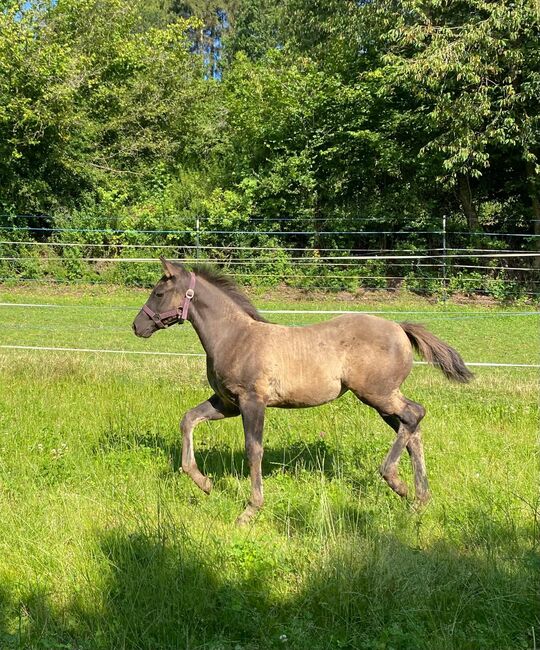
(381, 296)
(283, 293)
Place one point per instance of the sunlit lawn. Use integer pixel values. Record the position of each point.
(105, 544)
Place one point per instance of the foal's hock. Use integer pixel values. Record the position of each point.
(252, 364)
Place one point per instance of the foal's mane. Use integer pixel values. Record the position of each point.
(229, 287)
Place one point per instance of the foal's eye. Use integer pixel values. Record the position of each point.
(160, 294)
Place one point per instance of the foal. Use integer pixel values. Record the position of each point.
(252, 364)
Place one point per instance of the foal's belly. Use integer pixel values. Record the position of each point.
(306, 401)
(303, 388)
(301, 371)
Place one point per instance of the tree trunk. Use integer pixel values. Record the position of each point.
(466, 200)
(532, 182)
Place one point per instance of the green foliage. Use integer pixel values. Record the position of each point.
(474, 67)
(93, 97)
(354, 117)
(255, 29)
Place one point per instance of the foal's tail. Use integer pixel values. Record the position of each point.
(437, 352)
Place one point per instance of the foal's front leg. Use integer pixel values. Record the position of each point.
(212, 409)
(253, 420)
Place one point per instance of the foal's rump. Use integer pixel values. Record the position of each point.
(383, 348)
(379, 355)
(386, 348)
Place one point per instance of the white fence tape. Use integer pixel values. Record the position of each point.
(449, 314)
(200, 355)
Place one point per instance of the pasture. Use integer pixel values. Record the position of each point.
(105, 544)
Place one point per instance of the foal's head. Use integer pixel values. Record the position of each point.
(166, 298)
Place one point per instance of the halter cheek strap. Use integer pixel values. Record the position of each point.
(177, 315)
(189, 296)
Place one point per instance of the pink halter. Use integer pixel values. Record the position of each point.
(167, 318)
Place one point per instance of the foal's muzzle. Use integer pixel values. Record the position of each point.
(143, 326)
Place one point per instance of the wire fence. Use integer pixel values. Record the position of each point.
(325, 312)
(60, 326)
(273, 233)
(315, 254)
(352, 256)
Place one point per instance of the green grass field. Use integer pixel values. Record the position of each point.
(104, 544)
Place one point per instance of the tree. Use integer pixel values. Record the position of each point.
(93, 97)
(472, 67)
(254, 29)
(35, 111)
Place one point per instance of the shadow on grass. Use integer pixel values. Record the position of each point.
(367, 592)
(6, 636)
(164, 592)
(223, 461)
(294, 458)
(291, 462)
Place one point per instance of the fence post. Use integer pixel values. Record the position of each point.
(197, 238)
(444, 287)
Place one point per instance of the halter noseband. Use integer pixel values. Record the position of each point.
(173, 316)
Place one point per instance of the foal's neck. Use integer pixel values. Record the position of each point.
(216, 318)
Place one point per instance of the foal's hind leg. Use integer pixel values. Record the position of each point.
(212, 409)
(404, 416)
(389, 467)
(416, 452)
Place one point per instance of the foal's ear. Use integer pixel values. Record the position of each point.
(168, 267)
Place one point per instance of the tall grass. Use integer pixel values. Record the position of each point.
(105, 544)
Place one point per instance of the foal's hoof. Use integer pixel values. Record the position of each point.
(401, 488)
(207, 485)
(203, 482)
(200, 480)
(397, 485)
(246, 517)
(421, 501)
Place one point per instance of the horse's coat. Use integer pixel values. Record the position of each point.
(253, 364)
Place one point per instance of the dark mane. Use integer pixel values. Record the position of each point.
(228, 286)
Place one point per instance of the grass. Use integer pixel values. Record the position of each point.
(100, 317)
(105, 544)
